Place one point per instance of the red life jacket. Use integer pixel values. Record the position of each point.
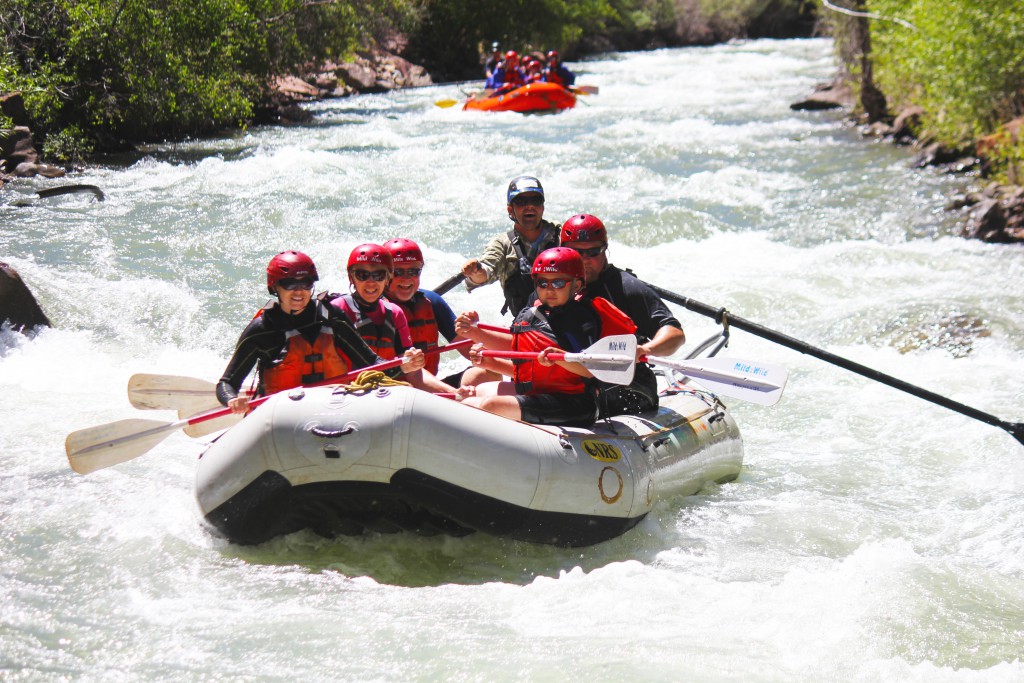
(423, 328)
(382, 338)
(588, 322)
(303, 363)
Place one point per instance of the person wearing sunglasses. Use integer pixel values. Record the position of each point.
(429, 316)
(382, 324)
(542, 391)
(509, 257)
(295, 340)
(659, 333)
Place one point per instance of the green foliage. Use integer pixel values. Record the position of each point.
(964, 63)
(69, 146)
(135, 69)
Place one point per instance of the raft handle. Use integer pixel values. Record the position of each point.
(331, 433)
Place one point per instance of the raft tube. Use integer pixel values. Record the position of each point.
(400, 459)
(532, 98)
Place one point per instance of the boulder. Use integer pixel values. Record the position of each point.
(18, 307)
(835, 95)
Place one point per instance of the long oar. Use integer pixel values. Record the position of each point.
(95, 448)
(748, 380)
(610, 359)
(448, 284)
(721, 316)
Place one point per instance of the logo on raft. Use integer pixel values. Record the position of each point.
(599, 450)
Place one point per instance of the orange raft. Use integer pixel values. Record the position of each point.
(532, 98)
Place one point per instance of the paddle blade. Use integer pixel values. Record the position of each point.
(172, 392)
(610, 359)
(98, 447)
(444, 104)
(585, 89)
(208, 427)
(743, 379)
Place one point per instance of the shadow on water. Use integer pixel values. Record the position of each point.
(409, 560)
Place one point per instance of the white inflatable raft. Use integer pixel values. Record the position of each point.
(396, 458)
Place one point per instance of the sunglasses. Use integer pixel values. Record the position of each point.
(291, 284)
(530, 200)
(554, 284)
(593, 252)
(375, 275)
(408, 272)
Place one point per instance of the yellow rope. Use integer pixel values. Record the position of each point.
(368, 380)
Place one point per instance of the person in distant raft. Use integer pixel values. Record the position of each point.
(556, 72)
(295, 341)
(658, 331)
(429, 316)
(544, 391)
(381, 323)
(509, 257)
(508, 75)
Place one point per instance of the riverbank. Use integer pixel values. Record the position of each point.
(991, 211)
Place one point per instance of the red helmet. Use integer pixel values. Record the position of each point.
(584, 228)
(553, 56)
(512, 56)
(559, 261)
(371, 254)
(404, 251)
(289, 265)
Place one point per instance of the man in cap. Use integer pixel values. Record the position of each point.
(509, 257)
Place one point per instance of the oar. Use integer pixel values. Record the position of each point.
(585, 89)
(95, 448)
(610, 359)
(448, 284)
(748, 380)
(721, 316)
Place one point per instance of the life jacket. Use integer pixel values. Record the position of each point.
(579, 326)
(303, 363)
(423, 327)
(382, 338)
(518, 289)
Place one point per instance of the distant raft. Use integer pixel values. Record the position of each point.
(532, 98)
(344, 462)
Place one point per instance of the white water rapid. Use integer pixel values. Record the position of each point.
(872, 536)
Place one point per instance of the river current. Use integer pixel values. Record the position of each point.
(872, 536)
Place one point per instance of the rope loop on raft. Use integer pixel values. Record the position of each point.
(368, 380)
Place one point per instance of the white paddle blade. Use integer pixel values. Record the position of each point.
(172, 392)
(201, 429)
(610, 359)
(743, 379)
(98, 447)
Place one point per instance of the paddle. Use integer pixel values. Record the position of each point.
(444, 104)
(585, 89)
(448, 284)
(722, 317)
(95, 448)
(734, 377)
(610, 359)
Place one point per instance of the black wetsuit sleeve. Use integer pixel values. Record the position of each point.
(252, 346)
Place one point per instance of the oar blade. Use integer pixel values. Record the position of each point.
(445, 104)
(585, 89)
(95, 448)
(208, 427)
(610, 359)
(171, 392)
(751, 381)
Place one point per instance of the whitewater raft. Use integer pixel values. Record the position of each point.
(532, 98)
(399, 459)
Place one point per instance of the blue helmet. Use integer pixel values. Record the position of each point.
(522, 185)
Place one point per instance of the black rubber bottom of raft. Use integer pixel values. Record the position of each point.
(270, 506)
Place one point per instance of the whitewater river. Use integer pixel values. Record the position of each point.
(872, 536)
